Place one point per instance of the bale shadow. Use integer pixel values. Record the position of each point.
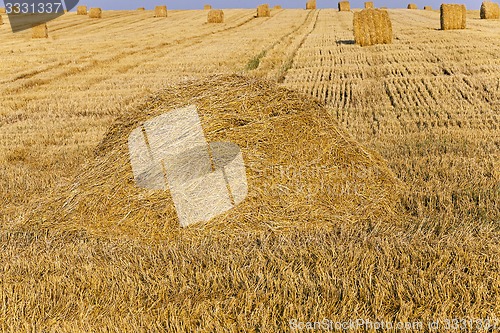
(346, 42)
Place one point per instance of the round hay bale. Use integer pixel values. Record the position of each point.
(372, 26)
(453, 16)
(490, 10)
(263, 11)
(215, 16)
(344, 6)
(161, 11)
(278, 7)
(302, 169)
(427, 7)
(369, 5)
(40, 31)
(141, 8)
(81, 10)
(311, 4)
(412, 6)
(207, 7)
(95, 13)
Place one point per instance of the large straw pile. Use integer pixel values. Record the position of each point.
(427, 7)
(490, 10)
(344, 6)
(81, 10)
(369, 4)
(161, 11)
(412, 6)
(40, 31)
(207, 7)
(372, 26)
(453, 16)
(95, 13)
(302, 170)
(263, 11)
(215, 16)
(311, 4)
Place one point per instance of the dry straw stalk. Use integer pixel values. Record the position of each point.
(453, 16)
(372, 26)
(215, 16)
(161, 11)
(412, 6)
(263, 11)
(311, 4)
(427, 7)
(40, 31)
(344, 6)
(81, 10)
(207, 7)
(369, 4)
(490, 10)
(95, 13)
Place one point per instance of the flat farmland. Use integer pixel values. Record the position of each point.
(428, 105)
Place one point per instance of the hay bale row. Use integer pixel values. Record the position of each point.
(412, 6)
(263, 11)
(344, 6)
(427, 7)
(453, 16)
(215, 16)
(369, 4)
(95, 13)
(81, 10)
(311, 4)
(161, 11)
(372, 26)
(207, 7)
(490, 10)
(40, 31)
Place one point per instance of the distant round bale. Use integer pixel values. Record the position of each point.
(344, 6)
(39, 31)
(372, 26)
(263, 11)
(81, 10)
(311, 4)
(278, 7)
(453, 16)
(490, 10)
(95, 13)
(141, 8)
(412, 6)
(215, 16)
(207, 7)
(161, 11)
(427, 7)
(369, 4)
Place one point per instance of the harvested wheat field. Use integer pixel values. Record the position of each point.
(372, 173)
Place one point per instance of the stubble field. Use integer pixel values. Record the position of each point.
(428, 104)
